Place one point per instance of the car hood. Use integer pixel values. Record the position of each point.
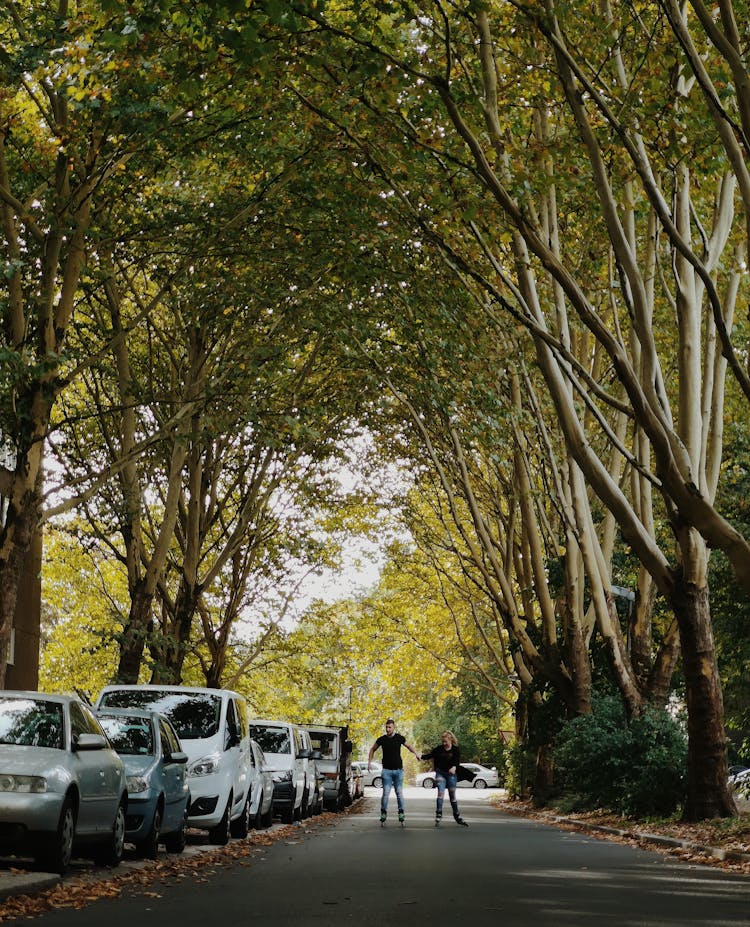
(138, 765)
(30, 761)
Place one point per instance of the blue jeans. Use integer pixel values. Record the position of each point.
(392, 778)
(443, 780)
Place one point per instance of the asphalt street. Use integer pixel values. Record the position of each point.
(501, 870)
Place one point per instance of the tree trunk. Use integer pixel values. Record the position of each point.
(543, 775)
(134, 636)
(708, 795)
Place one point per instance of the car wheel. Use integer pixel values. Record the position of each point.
(288, 815)
(428, 783)
(267, 819)
(257, 821)
(480, 784)
(219, 834)
(377, 782)
(111, 853)
(241, 827)
(148, 848)
(57, 857)
(177, 840)
(304, 808)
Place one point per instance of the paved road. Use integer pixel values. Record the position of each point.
(501, 870)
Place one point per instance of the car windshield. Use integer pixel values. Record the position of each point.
(194, 715)
(325, 743)
(28, 722)
(271, 739)
(129, 736)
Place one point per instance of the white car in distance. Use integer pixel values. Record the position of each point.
(484, 777)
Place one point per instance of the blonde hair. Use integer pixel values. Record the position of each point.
(452, 737)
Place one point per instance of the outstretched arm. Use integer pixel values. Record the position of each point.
(370, 755)
(415, 752)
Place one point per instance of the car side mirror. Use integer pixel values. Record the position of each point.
(304, 755)
(317, 755)
(89, 742)
(178, 757)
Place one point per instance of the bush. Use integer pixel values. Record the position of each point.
(636, 768)
(519, 769)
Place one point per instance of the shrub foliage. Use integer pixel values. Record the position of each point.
(635, 768)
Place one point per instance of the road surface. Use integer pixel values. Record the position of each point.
(501, 871)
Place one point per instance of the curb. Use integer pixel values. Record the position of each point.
(721, 853)
(26, 883)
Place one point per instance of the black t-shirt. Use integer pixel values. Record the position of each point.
(391, 747)
(443, 759)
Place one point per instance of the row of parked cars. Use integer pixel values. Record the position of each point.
(146, 762)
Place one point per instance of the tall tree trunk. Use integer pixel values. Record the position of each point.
(708, 795)
(134, 636)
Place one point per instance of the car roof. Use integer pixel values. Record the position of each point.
(200, 690)
(264, 721)
(130, 713)
(47, 696)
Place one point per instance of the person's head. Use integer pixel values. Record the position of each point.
(390, 726)
(448, 739)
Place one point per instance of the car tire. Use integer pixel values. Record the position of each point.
(428, 783)
(240, 827)
(266, 819)
(148, 848)
(177, 840)
(257, 821)
(480, 784)
(287, 815)
(219, 834)
(110, 854)
(304, 808)
(377, 782)
(57, 857)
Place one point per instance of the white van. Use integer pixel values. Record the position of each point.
(212, 727)
(288, 752)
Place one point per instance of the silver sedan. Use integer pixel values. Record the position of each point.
(484, 776)
(62, 786)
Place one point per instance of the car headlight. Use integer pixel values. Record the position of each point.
(13, 783)
(205, 766)
(282, 775)
(136, 784)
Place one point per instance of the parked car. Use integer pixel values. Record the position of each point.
(739, 783)
(212, 727)
(373, 776)
(288, 752)
(484, 776)
(62, 786)
(261, 808)
(156, 775)
(332, 751)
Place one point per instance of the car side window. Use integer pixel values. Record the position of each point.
(242, 715)
(231, 722)
(172, 739)
(78, 723)
(92, 722)
(166, 747)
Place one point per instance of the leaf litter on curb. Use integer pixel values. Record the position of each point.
(731, 835)
(80, 891)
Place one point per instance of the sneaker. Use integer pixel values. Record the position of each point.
(438, 819)
(382, 817)
(401, 817)
(461, 821)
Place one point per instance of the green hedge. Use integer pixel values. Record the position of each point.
(635, 768)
